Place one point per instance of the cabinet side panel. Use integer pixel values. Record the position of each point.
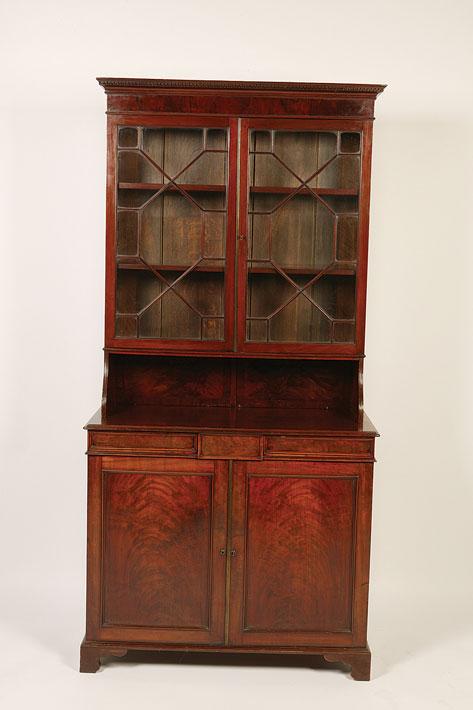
(363, 550)
(94, 546)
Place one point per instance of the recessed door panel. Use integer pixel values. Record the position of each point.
(163, 527)
(294, 537)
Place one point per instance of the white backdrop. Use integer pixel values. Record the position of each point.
(418, 382)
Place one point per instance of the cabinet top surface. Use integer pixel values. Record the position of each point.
(224, 420)
(111, 84)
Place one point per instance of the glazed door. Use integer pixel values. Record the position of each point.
(157, 571)
(300, 542)
(171, 233)
(303, 232)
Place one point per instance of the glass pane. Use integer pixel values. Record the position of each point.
(302, 235)
(174, 305)
(300, 322)
(171, 232)
(298, 233)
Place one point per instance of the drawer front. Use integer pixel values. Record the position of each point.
(216, 446)
(226, 446)
(317, 447)
(149, 443)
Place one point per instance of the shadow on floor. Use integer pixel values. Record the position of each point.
(208, 658)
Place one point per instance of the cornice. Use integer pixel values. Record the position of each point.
(109, 84)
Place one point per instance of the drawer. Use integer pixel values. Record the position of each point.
(317, 447)
(149, 443)
(216, 446)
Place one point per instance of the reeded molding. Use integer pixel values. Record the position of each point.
(275, 86)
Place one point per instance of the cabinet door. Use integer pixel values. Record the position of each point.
(171, 233)
(300, 541)
(303, 236)
(156, 529)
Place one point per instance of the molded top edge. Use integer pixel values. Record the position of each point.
(123, 83)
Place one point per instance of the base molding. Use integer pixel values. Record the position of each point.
(359, 659)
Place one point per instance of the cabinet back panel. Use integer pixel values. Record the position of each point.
(297, 384)
(225, 382)
(168, 381)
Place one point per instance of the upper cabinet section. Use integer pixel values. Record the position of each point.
(232, 233)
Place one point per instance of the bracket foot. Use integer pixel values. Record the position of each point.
(360, 662)
(90, 655)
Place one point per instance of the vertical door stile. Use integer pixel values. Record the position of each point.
(228, 542)
(242, 235)
(230, 249)
(236, 309)
(363, 229)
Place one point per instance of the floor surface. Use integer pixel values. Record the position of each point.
(422, 660)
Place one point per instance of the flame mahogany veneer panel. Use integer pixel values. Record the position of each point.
(157, 557)
(163, 523)
(190, 381)
(300, 531)
(168, 381)
(299, 552)
(294, 384)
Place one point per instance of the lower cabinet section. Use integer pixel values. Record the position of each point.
(262, 555)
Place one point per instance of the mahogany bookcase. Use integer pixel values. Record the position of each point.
(230, 465)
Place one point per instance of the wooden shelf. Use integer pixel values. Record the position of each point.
(132, 263)
(301, 271)
(256, 189)
(158, 186)
(136, 264)
(330, 191)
